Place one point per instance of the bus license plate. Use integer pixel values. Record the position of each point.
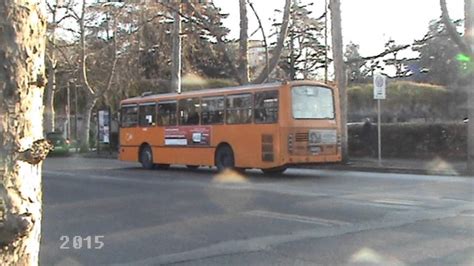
(315, 150)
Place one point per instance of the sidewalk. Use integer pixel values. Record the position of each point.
(435, 166)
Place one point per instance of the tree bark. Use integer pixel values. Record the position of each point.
(22, 50)
(469, 36)
(336, 31)
(86, 124)
(264, 75)
(243, 46)
(470, 132)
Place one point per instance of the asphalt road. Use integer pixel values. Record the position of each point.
(101, 211)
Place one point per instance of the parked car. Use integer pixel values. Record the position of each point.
(60, 143)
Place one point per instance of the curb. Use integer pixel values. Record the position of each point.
(394, 170)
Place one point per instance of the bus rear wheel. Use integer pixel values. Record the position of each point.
(146, 157)
(275, 171)
(224, 158)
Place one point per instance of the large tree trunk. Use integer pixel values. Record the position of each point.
(470, 132)
(336, 31)
(466, 46)
(469, 36)
(267, 70)
(22, 48)
(86, 125)
(243, 47)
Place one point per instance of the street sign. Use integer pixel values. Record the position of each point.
(379, 87)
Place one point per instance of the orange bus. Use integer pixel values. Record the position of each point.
(265, 126)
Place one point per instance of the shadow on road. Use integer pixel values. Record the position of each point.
(209, 174)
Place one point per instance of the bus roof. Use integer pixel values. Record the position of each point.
(210, 92)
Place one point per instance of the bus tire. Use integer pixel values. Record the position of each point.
(275, 171)
(146, 157)
(224, 158)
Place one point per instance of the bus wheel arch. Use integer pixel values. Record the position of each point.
(145, 156)
(224, 157)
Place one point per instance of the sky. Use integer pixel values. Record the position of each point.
(368, 23)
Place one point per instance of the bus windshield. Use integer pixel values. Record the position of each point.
(312, 102)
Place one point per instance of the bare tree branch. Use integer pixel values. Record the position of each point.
(382, 54)
(260, 26)
(279, 47)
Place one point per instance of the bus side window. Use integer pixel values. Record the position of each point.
(188, 110)
(212, 110)
(146, 115)
(167, 114)
(129, 116)
(239, 109)
(266, 107)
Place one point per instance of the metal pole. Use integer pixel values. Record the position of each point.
(326, 41)
(75, 115)
(98, 134)
(68, 111)
(379, 130)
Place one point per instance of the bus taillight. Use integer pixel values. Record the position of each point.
(290, 143)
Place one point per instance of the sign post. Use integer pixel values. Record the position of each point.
(379, 94)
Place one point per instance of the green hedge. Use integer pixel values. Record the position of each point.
(410, 140)
(407, 101)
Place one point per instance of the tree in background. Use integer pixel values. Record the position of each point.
(355, 63)
(57, 11)
(304, 51)
(465, 45)
(22, 82)
(276, 53)
(437, 57)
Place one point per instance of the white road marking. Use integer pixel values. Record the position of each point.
(296, 218)
(396, 202)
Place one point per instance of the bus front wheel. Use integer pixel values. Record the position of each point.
(146, 157)
(224, 158)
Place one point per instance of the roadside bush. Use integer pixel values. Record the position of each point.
(407, 101)
(410, 140)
